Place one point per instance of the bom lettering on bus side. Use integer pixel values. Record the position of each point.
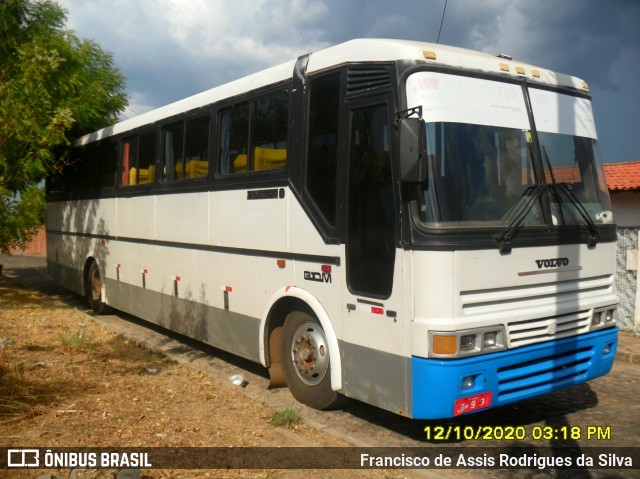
(317, 276)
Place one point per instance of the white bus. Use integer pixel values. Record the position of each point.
(420, 227)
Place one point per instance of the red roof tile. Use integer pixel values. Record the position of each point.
(623, 176)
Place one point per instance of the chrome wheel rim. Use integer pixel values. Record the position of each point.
(309, 353)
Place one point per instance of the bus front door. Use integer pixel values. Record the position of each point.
(372, 350)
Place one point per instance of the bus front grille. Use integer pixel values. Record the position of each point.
(494, 300)
(539, 312)
(521, 333)
(544, 375)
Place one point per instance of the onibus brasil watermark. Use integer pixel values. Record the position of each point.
(20, 458)
(450, 457)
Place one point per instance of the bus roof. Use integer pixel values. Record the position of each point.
(245, 84)
(377, 49)
(358, 50)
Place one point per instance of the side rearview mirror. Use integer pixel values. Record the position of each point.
(412, 143)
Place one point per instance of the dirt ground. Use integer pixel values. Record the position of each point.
(65, 381)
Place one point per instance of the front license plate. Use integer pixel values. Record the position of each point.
(472, 403)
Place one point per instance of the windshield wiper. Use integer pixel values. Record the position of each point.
(504, 238)
(566, 190)
(593, 229)
(554, 184)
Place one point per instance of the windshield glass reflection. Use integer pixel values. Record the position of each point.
(573, 162)
(477, 175)
(481, 176)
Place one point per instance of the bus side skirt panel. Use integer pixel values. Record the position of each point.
(376, 377)
(226, 330)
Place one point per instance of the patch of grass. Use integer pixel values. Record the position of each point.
(288, 417)
(11, 376)
(13, 392)
(211, 394)
(77, 341)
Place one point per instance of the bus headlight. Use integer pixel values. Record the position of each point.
(603, 318)
(490, 339)
(466, 343)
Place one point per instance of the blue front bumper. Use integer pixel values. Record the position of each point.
(511, 375)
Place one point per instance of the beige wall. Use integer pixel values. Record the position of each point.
(626, 208)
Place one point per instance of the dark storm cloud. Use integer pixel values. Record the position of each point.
(169, 49)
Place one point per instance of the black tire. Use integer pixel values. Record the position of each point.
(94, 290)
(305, 362)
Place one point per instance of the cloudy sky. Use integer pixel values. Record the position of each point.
(170, 49)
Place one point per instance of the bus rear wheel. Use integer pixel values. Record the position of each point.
(305, 362)
(94, 290)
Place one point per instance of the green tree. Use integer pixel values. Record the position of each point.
(54, 87)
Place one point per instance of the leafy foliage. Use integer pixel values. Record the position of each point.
(54, 87)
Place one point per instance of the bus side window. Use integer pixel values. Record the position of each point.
(261, 147)
(129, 161)
(269, 131)
(108, 163)
(234, 140)
(196, 148)
(138, 160)
(146, 159)
(322, 147)
(173, 140)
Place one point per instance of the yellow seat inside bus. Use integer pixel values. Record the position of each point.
(193, 169)
(269, 158)
(263, 159)
(142, 176)
(240, 163)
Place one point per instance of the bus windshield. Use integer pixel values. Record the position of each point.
(480, 154)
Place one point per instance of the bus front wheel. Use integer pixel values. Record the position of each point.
(305, 361)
